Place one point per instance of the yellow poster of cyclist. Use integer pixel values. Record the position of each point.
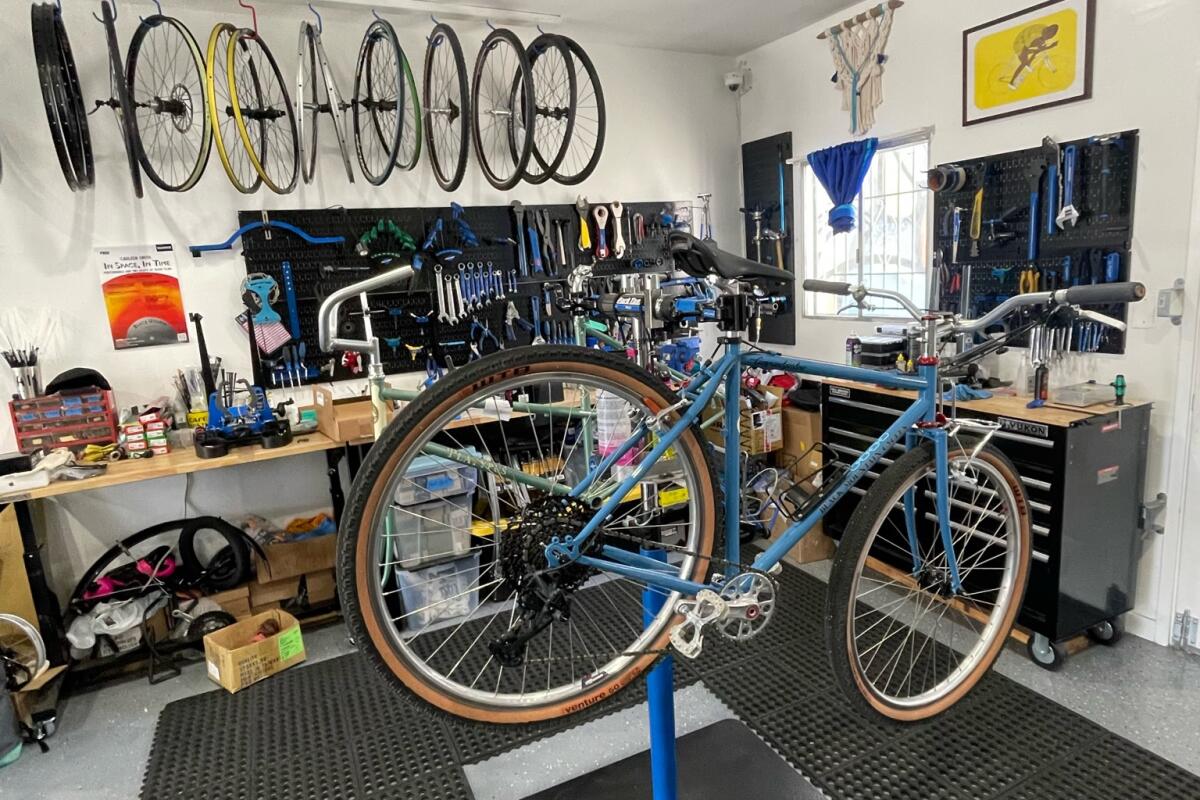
(1032, 59)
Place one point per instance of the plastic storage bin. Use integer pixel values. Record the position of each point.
(448, 582)
(430, 531)
(431, 477)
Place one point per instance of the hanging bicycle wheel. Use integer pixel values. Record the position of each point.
(587, 135)
(501, 106)
(165, 72)
(79, 139)
(45, 51)
(234, 159)
(410, 114)
(554, 95)
(263, 112)
(120, 101)
(446, 102)
(317, 94)
(378, 99)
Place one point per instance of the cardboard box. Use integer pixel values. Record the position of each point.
(293, 559)
(319, 587)
(801, 430)
(235, 601)
(236, 658)
(344, 419)
(762, 427)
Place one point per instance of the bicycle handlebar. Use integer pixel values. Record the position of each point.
(827, 287)
(1103, 293)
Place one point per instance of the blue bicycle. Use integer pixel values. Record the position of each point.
(595, 483)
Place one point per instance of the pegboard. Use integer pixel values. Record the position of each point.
(973, 284)
(404, 318)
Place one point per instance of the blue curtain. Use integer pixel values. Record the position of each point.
(841, 170)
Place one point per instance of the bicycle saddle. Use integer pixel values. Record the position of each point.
(699, 259)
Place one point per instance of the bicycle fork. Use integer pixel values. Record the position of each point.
(941, 460)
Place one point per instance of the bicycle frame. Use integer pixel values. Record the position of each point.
(918, 420)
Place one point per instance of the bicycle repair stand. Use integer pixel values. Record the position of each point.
(718, 762)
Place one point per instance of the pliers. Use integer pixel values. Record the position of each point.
(1029, 281)
(549, 258)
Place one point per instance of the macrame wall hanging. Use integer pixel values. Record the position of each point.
(857, 45)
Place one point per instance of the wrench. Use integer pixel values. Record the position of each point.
(585, 238)
(441, 296)
(619, 243)
(462, 306)
(451, 313)
(537, 322)
(519, 213)
(601, 215)
(481, 285)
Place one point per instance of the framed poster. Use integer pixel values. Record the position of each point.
(1036, 58)
(141, 295)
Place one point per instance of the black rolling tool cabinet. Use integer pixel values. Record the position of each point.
(1084, 472)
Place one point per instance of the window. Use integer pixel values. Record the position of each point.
(889, 247)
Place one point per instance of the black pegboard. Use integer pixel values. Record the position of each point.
(401, 315)
(762, 161)
(991, 276)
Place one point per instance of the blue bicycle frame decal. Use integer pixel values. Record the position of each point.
(698, 393)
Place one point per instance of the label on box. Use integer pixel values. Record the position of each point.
(213, 671)
(157, 425)
(136, 445)
(290, 644)
(671, 497)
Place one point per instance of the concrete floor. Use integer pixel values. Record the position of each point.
(1146, 693)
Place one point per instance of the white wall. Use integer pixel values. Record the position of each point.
(671, 135)
(1145, 77)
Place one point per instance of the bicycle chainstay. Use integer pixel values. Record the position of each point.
(742, 568)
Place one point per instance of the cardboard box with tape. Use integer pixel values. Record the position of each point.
(256, 648)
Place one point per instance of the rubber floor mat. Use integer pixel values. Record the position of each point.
(336, 730)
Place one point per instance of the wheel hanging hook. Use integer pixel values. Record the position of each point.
(158, 6)
(376, 15)
(320, 22)
(112, 3)
(253, 14)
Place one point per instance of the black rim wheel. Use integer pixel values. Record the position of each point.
(554, 97)
(446, 104)
(378, 97)
(44, 50)
(79, 137)
(120, 102)
(587, 135)
(263, 111)
(165, 72)
(501, 102)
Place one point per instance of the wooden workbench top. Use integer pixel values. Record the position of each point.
(177, 462)
(1010, 406)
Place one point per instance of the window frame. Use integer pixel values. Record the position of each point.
(900, 140)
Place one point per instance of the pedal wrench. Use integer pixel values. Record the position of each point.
(619, 238)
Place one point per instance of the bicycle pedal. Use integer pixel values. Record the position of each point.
(688, 636)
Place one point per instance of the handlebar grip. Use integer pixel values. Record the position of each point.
(1102, 293)
(828, 287)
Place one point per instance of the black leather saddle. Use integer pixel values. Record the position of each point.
(700, 259)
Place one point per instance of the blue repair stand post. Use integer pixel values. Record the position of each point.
(721, 761)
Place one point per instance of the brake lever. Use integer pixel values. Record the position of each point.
(1103, 319)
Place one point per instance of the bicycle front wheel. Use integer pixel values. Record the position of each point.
(263, 112)
(905, 640)
(468, 617)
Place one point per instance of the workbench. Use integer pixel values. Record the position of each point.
(1084, 472)
(177, 462)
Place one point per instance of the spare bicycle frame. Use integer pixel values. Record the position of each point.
(919, 420)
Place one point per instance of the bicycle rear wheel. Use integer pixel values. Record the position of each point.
(45, 51)
(263, 111)
(378, 101)
(446, 103)
(165, 72)
(904, 641)
(501, 108)
(317, 93)
(497, 635)
(234, 159)
(554, 93)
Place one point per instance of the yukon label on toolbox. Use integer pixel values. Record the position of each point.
(839, 391)
(1107, 475)
(1024, 427)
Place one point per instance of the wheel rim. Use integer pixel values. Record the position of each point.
(263, 111)
(453, 655)
(234, 158)
(48, 78)
(910, 647)
(165, 70)
(587, 134)
(377, 87)
(123, 108)
(554, 90)
(446, 107)
(308, 100)
(501, 102)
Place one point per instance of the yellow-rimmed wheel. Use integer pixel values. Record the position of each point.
(232, 152)
(263, 111)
